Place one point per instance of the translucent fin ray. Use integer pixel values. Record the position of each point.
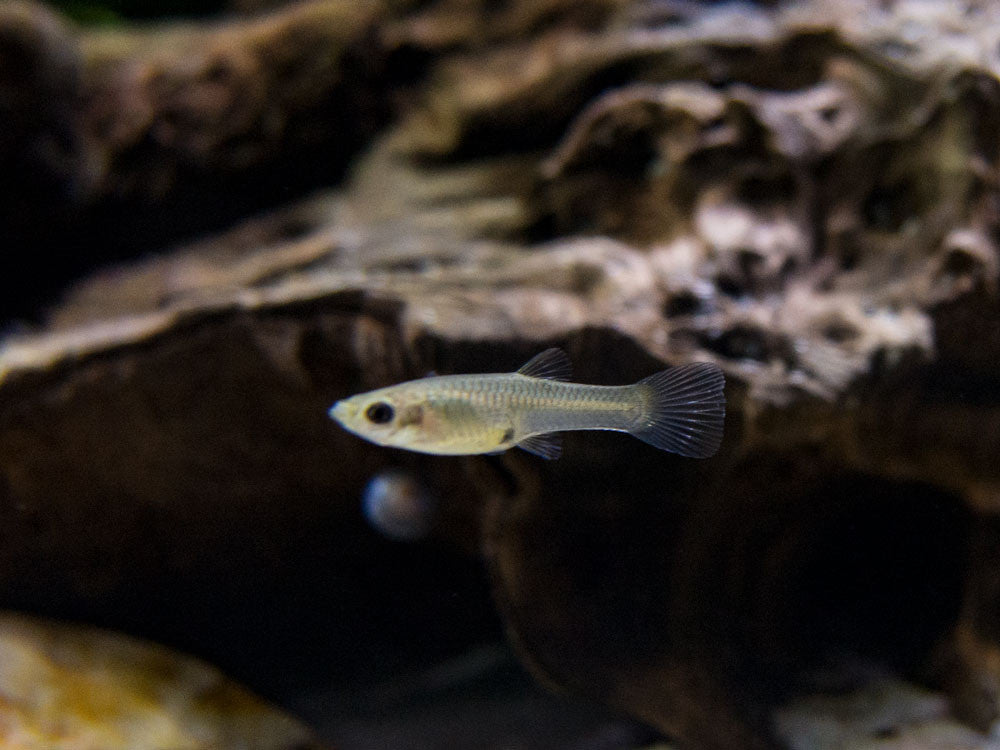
(547, 446)
(687, 410)
(552, 364)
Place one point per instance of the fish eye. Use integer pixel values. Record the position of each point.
(380, 412)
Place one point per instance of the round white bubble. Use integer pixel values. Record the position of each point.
(398, 505)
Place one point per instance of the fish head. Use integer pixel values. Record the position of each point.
(392, 416)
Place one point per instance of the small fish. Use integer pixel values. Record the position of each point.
(680, 410)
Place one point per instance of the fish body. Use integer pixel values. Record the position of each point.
(681, 410)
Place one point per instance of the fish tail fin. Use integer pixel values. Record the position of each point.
(686, 410)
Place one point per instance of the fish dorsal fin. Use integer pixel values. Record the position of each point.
(547, 446)
(552, 364)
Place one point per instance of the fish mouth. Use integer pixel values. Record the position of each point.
(340, 411)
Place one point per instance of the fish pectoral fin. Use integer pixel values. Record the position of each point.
(547, 446)
(552, 364)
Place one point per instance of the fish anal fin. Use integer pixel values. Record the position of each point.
(548, 446)
(552, 364)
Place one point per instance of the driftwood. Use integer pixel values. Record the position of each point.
(805, 195)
